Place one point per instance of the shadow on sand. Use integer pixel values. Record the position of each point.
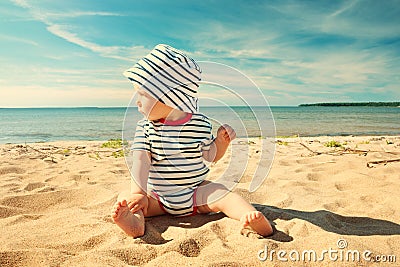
(156, 226)
(330, 222)
(326, 220)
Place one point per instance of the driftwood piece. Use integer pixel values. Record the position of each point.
(309, 149)
(383, 161)
(338, 152)
(34, 149)
(46, 156)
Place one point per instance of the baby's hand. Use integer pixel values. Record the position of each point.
(138, 202)
(226, 133)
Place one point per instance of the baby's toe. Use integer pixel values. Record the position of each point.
(114, 213)
(245, 220)
(257, 215)
(252, 216)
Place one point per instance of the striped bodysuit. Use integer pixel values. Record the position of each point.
(177, 166)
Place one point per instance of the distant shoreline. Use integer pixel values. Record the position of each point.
(353, 104)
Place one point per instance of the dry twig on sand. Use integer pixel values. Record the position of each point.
(384, 161)
(309, 149)
(337, 152)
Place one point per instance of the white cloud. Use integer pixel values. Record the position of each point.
(117, 52)
(75, 14)
(368, 20)
(43, 96)
(346, 6)
(73, 38)
(63, 31)
(17, 39)
(21, 3)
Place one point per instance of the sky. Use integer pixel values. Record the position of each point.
(72, 53)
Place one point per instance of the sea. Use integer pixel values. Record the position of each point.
(27, 125)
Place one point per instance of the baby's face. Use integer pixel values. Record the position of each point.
(151, 108)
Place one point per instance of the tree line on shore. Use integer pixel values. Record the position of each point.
(353, 104)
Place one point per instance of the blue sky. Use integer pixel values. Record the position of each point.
(73, 53)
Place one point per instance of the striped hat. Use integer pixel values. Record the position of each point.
(169, 76)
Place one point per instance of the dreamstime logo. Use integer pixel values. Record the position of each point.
(341, 244)
(220, 84)
(341, 254)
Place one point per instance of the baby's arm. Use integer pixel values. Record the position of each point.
(218, 147)
(140, 172)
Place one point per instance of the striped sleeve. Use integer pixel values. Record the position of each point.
(141, 141)
(209, 138)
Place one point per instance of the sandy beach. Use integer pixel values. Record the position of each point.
(56, 199)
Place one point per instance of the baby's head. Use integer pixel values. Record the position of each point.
(166, 80)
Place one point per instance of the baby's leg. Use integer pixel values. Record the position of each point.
(233, 205)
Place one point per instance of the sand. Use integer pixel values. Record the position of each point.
(55, 202)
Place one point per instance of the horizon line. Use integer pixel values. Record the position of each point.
(49, 107)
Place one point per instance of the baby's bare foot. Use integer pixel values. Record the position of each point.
(257, 221)
(131, 223)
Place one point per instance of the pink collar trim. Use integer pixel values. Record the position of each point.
(178, 122)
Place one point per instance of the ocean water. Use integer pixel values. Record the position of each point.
(19, 125)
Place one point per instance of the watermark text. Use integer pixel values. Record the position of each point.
(341, 253)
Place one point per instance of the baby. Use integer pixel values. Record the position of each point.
(170, 146)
